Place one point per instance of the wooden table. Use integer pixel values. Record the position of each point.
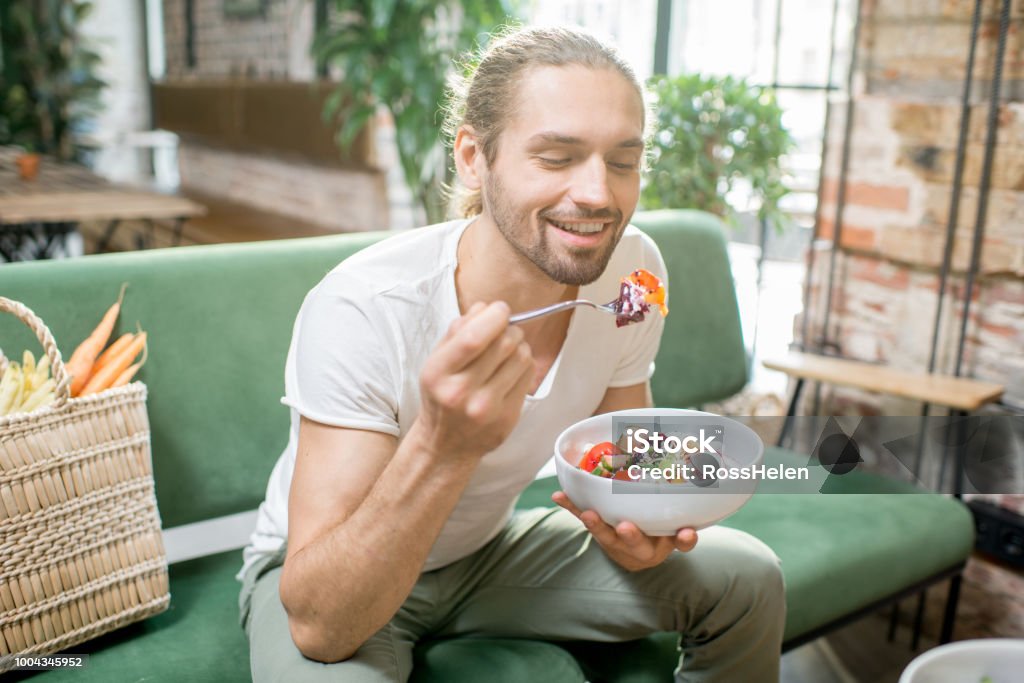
(961, 394)
(45, 210)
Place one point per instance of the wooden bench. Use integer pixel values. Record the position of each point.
(958, 393)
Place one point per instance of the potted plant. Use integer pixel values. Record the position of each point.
(28, 162)
(398, 55)
(48, 74)
(714, 136)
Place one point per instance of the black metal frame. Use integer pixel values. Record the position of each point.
(662, 28)
(320, 19)
(844, 169)
(805, 321)
(33, 241)
(990, 142)
(952, 573)
(39, 240)
(956, 191)
(977, 241)
(991, 134)
(142, 240)
(190, 34)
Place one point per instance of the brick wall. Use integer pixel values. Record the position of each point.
(906, 121)
(271, 46)
(254, 47)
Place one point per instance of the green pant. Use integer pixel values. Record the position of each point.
(544, 577)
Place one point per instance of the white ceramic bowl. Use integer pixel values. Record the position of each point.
(969, 661)
(657, 508)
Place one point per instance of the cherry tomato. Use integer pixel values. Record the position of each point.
(622, 475)
(645, 279)
(593, 457)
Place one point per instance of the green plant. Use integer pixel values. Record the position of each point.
(713, 135)
(48, 82)
(398, 54)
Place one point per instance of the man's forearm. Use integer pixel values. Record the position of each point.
(342, 588)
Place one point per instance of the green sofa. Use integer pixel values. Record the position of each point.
(219, 320)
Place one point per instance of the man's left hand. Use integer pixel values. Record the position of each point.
(629, 547)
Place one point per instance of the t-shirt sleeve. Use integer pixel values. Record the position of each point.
(340, 369)
(636, 364)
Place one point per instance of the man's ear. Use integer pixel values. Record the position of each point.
(469, 158)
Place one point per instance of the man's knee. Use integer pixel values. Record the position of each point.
(735, 564)
(757, 573)
(761, 563)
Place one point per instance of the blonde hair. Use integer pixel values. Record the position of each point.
(484, 96)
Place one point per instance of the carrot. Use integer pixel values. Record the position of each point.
(117, 347)
(127, 375)
(118, 364)
(83, 358)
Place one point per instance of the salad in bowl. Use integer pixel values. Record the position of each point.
(662, 469)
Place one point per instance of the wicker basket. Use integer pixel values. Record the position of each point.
(81, 552)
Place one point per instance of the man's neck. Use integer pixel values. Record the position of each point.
(490, 269)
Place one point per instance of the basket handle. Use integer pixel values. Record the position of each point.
(45, 337)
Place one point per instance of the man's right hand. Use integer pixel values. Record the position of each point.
(474, 383)
(353, 555)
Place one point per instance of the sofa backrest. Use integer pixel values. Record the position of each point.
(220, 319)
(702, 357)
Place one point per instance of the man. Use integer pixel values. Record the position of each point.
(419, 413)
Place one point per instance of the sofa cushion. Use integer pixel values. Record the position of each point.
(495, 660)
(199, 639)
(864, 540)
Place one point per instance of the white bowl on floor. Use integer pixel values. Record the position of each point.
(658, 508)
(969, 661)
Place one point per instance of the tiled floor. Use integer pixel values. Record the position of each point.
(813, 663)
(858, 653)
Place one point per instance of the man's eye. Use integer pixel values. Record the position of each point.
(624, 167)
(555, 162)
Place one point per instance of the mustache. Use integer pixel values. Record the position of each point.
(602, 216)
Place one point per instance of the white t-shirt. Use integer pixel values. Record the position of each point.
(364, 332)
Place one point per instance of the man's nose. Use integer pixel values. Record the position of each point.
(590, 184)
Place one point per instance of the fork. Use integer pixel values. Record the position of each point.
(562, 306)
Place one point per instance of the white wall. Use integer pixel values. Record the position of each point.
(116, 29)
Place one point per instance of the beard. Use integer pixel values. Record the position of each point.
(579, 267)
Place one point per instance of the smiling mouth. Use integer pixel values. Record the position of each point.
(579, 228)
